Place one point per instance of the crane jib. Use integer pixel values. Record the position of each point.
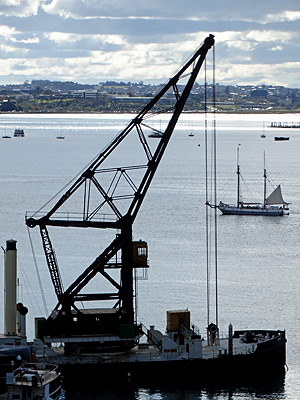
(122, 209)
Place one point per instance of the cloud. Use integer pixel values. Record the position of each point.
(283, 16)
(254, 11)
(92, 40)
(257, 74)
(19, 8)
(276, 48)
(62, 38)
(6, 31)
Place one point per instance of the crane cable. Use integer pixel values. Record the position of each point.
(215, 186)
(206, 199)
(211, 225)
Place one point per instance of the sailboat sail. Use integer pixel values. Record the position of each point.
(275, 197)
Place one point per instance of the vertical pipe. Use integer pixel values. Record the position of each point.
(230, 339)
(23, 330)
(10, 289)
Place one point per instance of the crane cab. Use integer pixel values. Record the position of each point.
(140, 254)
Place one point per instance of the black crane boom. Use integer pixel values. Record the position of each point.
(122, 193)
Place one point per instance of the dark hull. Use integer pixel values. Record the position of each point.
(269, 212)
(268, 359)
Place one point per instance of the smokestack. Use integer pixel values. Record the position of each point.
(10, 288)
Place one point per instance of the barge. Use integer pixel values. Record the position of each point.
(180, 353)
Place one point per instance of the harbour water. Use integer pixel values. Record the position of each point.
(258, 257)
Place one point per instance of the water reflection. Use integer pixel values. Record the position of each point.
(265, 388)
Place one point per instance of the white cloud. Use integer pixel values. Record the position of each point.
(6, 31)
(20, 8)
(270, 36)
(62, 38)
(254, 11)
(10, 37)
(283, 16)
(7, 49)
(89, 40)
(30, 40)
(256, 74)
(107, 8)
(276, 48)
(250, 39)
(8, 3)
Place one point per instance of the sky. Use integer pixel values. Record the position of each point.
(91, 41)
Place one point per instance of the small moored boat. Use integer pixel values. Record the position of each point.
(34, 381)
(263, 135)
(19, 133)
(277, 138)
(156, 134)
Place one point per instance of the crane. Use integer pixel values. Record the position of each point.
(111, 199)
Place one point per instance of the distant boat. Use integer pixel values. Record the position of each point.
(19, 133)
(6, 137)
(285, 125)
(156, 134)
(263, 134)
(191, 134)
(273, 205)
(61, 135)
(277, 138)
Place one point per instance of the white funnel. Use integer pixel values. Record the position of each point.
(10, 288)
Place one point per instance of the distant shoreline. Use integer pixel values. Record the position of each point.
(134, 113)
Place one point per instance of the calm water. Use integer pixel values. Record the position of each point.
(258, 257)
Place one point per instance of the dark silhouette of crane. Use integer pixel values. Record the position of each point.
(111, 199)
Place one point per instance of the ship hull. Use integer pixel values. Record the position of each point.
(269, 358)
(270, 212)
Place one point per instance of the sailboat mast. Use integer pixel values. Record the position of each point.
(265, 180)
(238, 177)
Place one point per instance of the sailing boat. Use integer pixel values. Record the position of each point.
(273, 205)
(263, 135)
(156, 133)
(60, 136)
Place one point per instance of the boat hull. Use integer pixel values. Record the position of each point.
(269, 358)
(232, 210)
(280, 138)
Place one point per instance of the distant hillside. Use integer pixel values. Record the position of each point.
(110, 96)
